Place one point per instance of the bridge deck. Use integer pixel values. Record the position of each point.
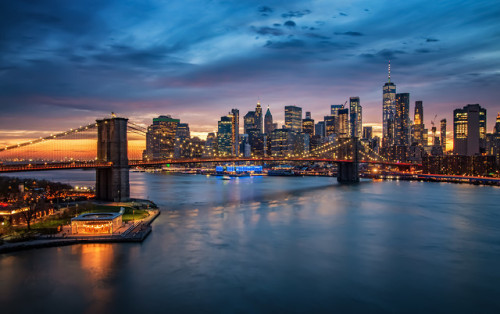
(33, 166)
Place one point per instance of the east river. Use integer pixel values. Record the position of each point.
(276, 245)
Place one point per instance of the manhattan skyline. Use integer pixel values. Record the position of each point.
(64, 64)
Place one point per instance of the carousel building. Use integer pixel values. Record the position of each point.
(96, 223)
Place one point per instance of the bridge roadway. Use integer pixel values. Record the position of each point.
(41, 166)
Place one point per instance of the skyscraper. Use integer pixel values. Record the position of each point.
(494, 140)
(308, 124)
(356, 117)
(320, 128)
(469, 129)
(258, 117)
(435, 139)
(367, 132)
(160, 138)
(419, 112)
(268, 122)
(496, 128)
(197, 146)
(182, 131)
(443, 134)
(388, 111)
(281, 142)
(402, 120)
(256, 141)
(343, 124)
(245, 149)
(418, 124)
(235, 120)
(224, 136)
(334, 109)
(210, 149)
(249, 121)
(182, 140)
(331, 125)
(293, 118)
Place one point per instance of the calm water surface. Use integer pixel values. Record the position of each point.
(276, 244)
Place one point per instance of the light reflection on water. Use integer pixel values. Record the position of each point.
(278, 245)
(97, 262)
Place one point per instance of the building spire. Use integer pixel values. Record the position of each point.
(389, 70)
(268, 112)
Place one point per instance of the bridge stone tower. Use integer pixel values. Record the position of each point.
(348, 172)
(112, 184)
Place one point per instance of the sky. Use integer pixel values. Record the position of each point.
(66, 63)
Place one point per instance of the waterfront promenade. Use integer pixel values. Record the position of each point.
(131, 232)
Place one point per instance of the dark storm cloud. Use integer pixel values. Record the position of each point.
(384, 54)
(131, 56)
(422, 50)
(265, 10)
(30, 21)
(317, 36)
(354, 34)
(294, 43)
(298, 14)
(268, 31)
(290, 24)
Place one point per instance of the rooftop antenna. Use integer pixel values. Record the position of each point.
(389, 71)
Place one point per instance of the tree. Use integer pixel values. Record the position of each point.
(30, 204)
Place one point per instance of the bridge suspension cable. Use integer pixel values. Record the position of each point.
(50, 137)
(136, 128)
(337, 148)
(73, 144)
(330, 147)
(136, 140)
(370, 150)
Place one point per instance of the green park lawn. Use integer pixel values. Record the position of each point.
(51, 224)
(129, 215)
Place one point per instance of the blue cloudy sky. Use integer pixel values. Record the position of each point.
(65, 63)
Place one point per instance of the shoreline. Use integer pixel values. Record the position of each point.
(433, 178)
(144, 228)
(472, 180)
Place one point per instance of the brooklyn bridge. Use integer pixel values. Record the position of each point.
(108, 147)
